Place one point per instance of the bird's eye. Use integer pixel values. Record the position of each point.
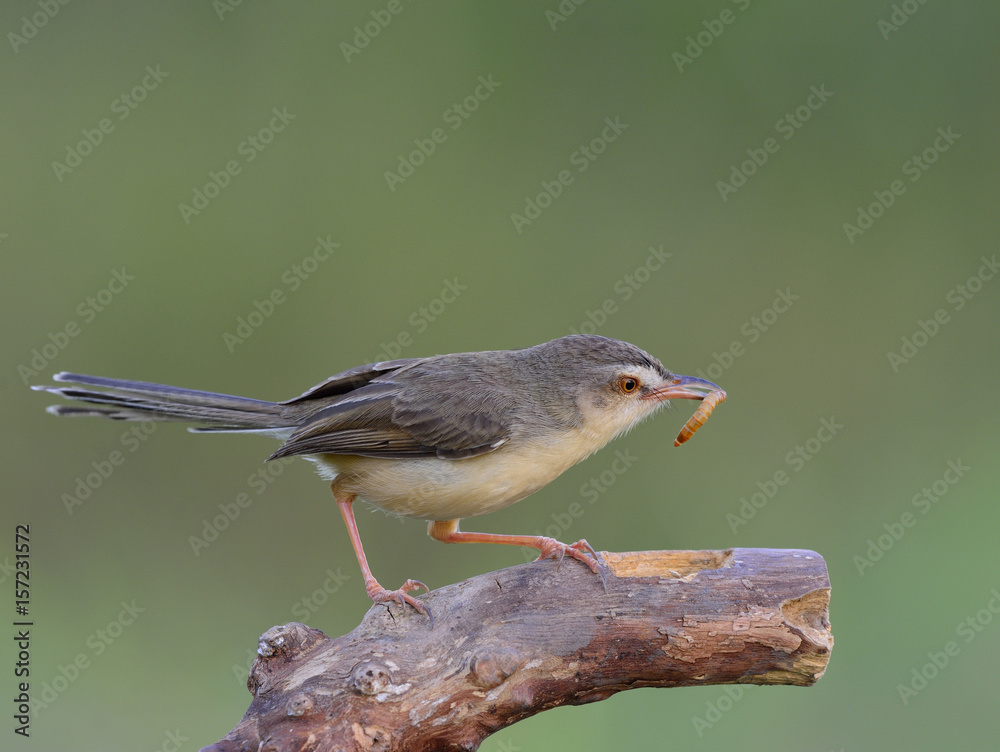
(628, 384)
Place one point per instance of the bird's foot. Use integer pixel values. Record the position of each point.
(581, 551)
(379, 594)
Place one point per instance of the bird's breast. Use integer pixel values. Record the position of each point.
(437, 489)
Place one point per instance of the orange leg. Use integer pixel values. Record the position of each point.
(375, 591)
(447, 531)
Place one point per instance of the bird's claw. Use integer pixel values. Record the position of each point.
(380, 595)
(550, 548)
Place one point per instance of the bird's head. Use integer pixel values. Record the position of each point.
(616, 385)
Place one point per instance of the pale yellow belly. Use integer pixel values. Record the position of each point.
(436, 489)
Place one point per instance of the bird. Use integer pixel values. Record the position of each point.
(438, 438)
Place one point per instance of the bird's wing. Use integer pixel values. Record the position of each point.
(351, 379)
(410, 412)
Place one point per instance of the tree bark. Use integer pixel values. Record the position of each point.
(506, 645)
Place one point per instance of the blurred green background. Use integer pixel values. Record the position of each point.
(809, 112)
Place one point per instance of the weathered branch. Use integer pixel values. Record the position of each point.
(506, 645)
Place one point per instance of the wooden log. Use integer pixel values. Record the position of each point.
(506, 645)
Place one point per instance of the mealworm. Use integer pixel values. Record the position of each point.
(696, 421)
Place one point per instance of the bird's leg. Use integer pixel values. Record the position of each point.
(376, 592)
(447, 531)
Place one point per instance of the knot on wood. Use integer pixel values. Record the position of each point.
(490, 668)
(298, 705)
(280, 646)
(375, 679)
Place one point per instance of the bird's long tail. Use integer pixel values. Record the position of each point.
(138, 400)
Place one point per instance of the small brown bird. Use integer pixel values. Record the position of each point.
(438, 438)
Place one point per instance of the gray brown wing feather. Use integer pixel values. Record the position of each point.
(351, 379)
(412, 412)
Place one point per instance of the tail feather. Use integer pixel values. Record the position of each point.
(139, 400)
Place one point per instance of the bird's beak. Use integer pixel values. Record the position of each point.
(683, 387)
